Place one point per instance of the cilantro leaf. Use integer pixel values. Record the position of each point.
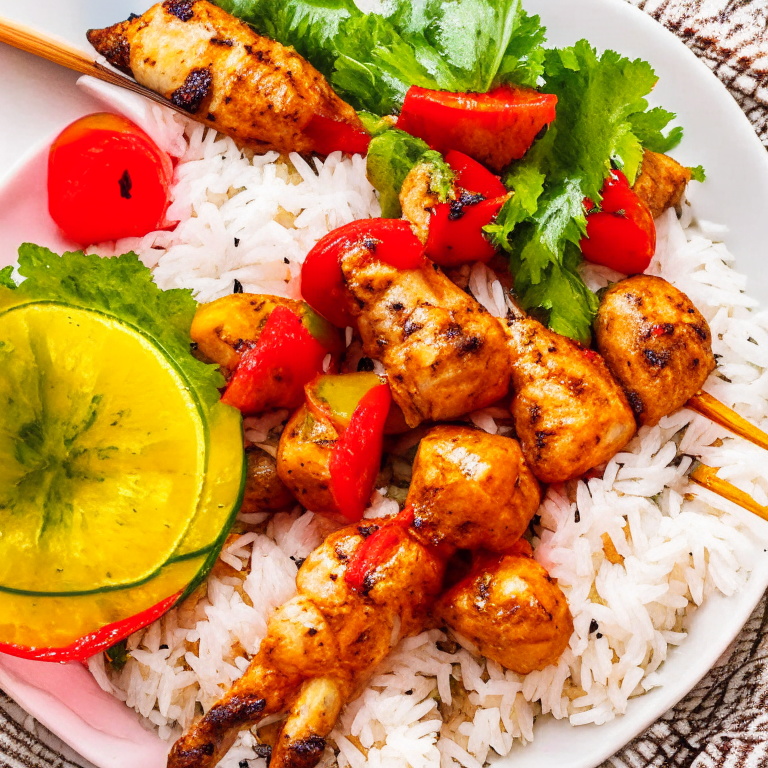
(649, 125)
(601, 101)
(372, 59)
(391, 156)
(123, 287)
(6, 278)
(698, 174)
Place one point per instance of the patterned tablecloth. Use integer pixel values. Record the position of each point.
(724, 721)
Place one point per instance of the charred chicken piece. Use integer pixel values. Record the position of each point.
(209, 63)
(418, 200)
(570, 414)
(320, 648)
(661, 183)
(264, 490)
(303, 459)
(443, 353)
(657, 344)
(226, 328)
(472, 489)
(512, 610)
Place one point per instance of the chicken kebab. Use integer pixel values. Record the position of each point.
(373, 583)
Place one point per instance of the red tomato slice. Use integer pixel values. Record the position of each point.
(273, 373)
(473, 176)
(96, 642)
(495, 127)
(456, 231)
(331, 135)
(356, 457)
(107, 180)
(322, 283)
(622, 235)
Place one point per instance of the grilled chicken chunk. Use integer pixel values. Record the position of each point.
(661, 183)
(303, 459)
(471, 488)
(320, 649)
(569, 412)
(657, 344)
(205, 61)
(417, 199)
(264, 490)
(512, 610)
(444, 354)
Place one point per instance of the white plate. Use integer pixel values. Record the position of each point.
(40, 100)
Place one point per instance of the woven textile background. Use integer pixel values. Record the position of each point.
(723, 723)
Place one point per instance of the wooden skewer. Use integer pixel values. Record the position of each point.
(726, 417)
(60, 52)
(707, 477)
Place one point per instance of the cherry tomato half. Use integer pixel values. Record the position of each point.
(107, 180)
(622, 234)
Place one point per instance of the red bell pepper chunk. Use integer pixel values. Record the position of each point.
(356, 456)
(456, 230)
(331, 135)
(273, 373)
(622, 234)
(375, 550)
(494, 128)
(322, 283)
(473, 176)
(96, 642)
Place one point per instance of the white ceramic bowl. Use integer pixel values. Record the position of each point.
(37, 100)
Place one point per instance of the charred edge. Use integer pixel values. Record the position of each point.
(305, 753)
(238, 709)
(369, 582)
(657, 359)
(263, 751)
(366, 530)
(410, 328)
(190, 96)
(113, 45)
(470, 345)
(635, 402)
(181, 9)
(535, 413)
(541, 439)
(458, 206)
(190, 758)
(700, 332)
(222, 41)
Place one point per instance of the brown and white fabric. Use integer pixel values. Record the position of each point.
(723, 723)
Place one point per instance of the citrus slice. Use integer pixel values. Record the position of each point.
(102, 452)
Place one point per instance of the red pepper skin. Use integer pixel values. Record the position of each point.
(356, 456)
(494, 128)
(322, 283)
(331, 135)
(473, 176)
(454, 241)
(273, 373)
(376, 548)
(96, 642)
(622, 235)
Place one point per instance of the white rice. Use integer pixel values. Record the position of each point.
(678, 543)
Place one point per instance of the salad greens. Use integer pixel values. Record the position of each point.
(602, 122)
(603, 118)
(372, 59)
(122, 287)
(391, 156)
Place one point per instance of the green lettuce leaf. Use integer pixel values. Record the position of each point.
(372, 59)
(602, 122)
(122, 287)
(698, 174)
(6, 278)
(649, 125)
(391, 156)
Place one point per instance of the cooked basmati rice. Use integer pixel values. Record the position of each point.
(635, 551)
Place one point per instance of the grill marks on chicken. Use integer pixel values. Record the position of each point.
(657, 344)
(319, 650)
(444, 354)
(205, 61)
(459, 470)
(569, 412)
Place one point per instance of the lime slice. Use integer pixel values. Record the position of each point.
(102, 452)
